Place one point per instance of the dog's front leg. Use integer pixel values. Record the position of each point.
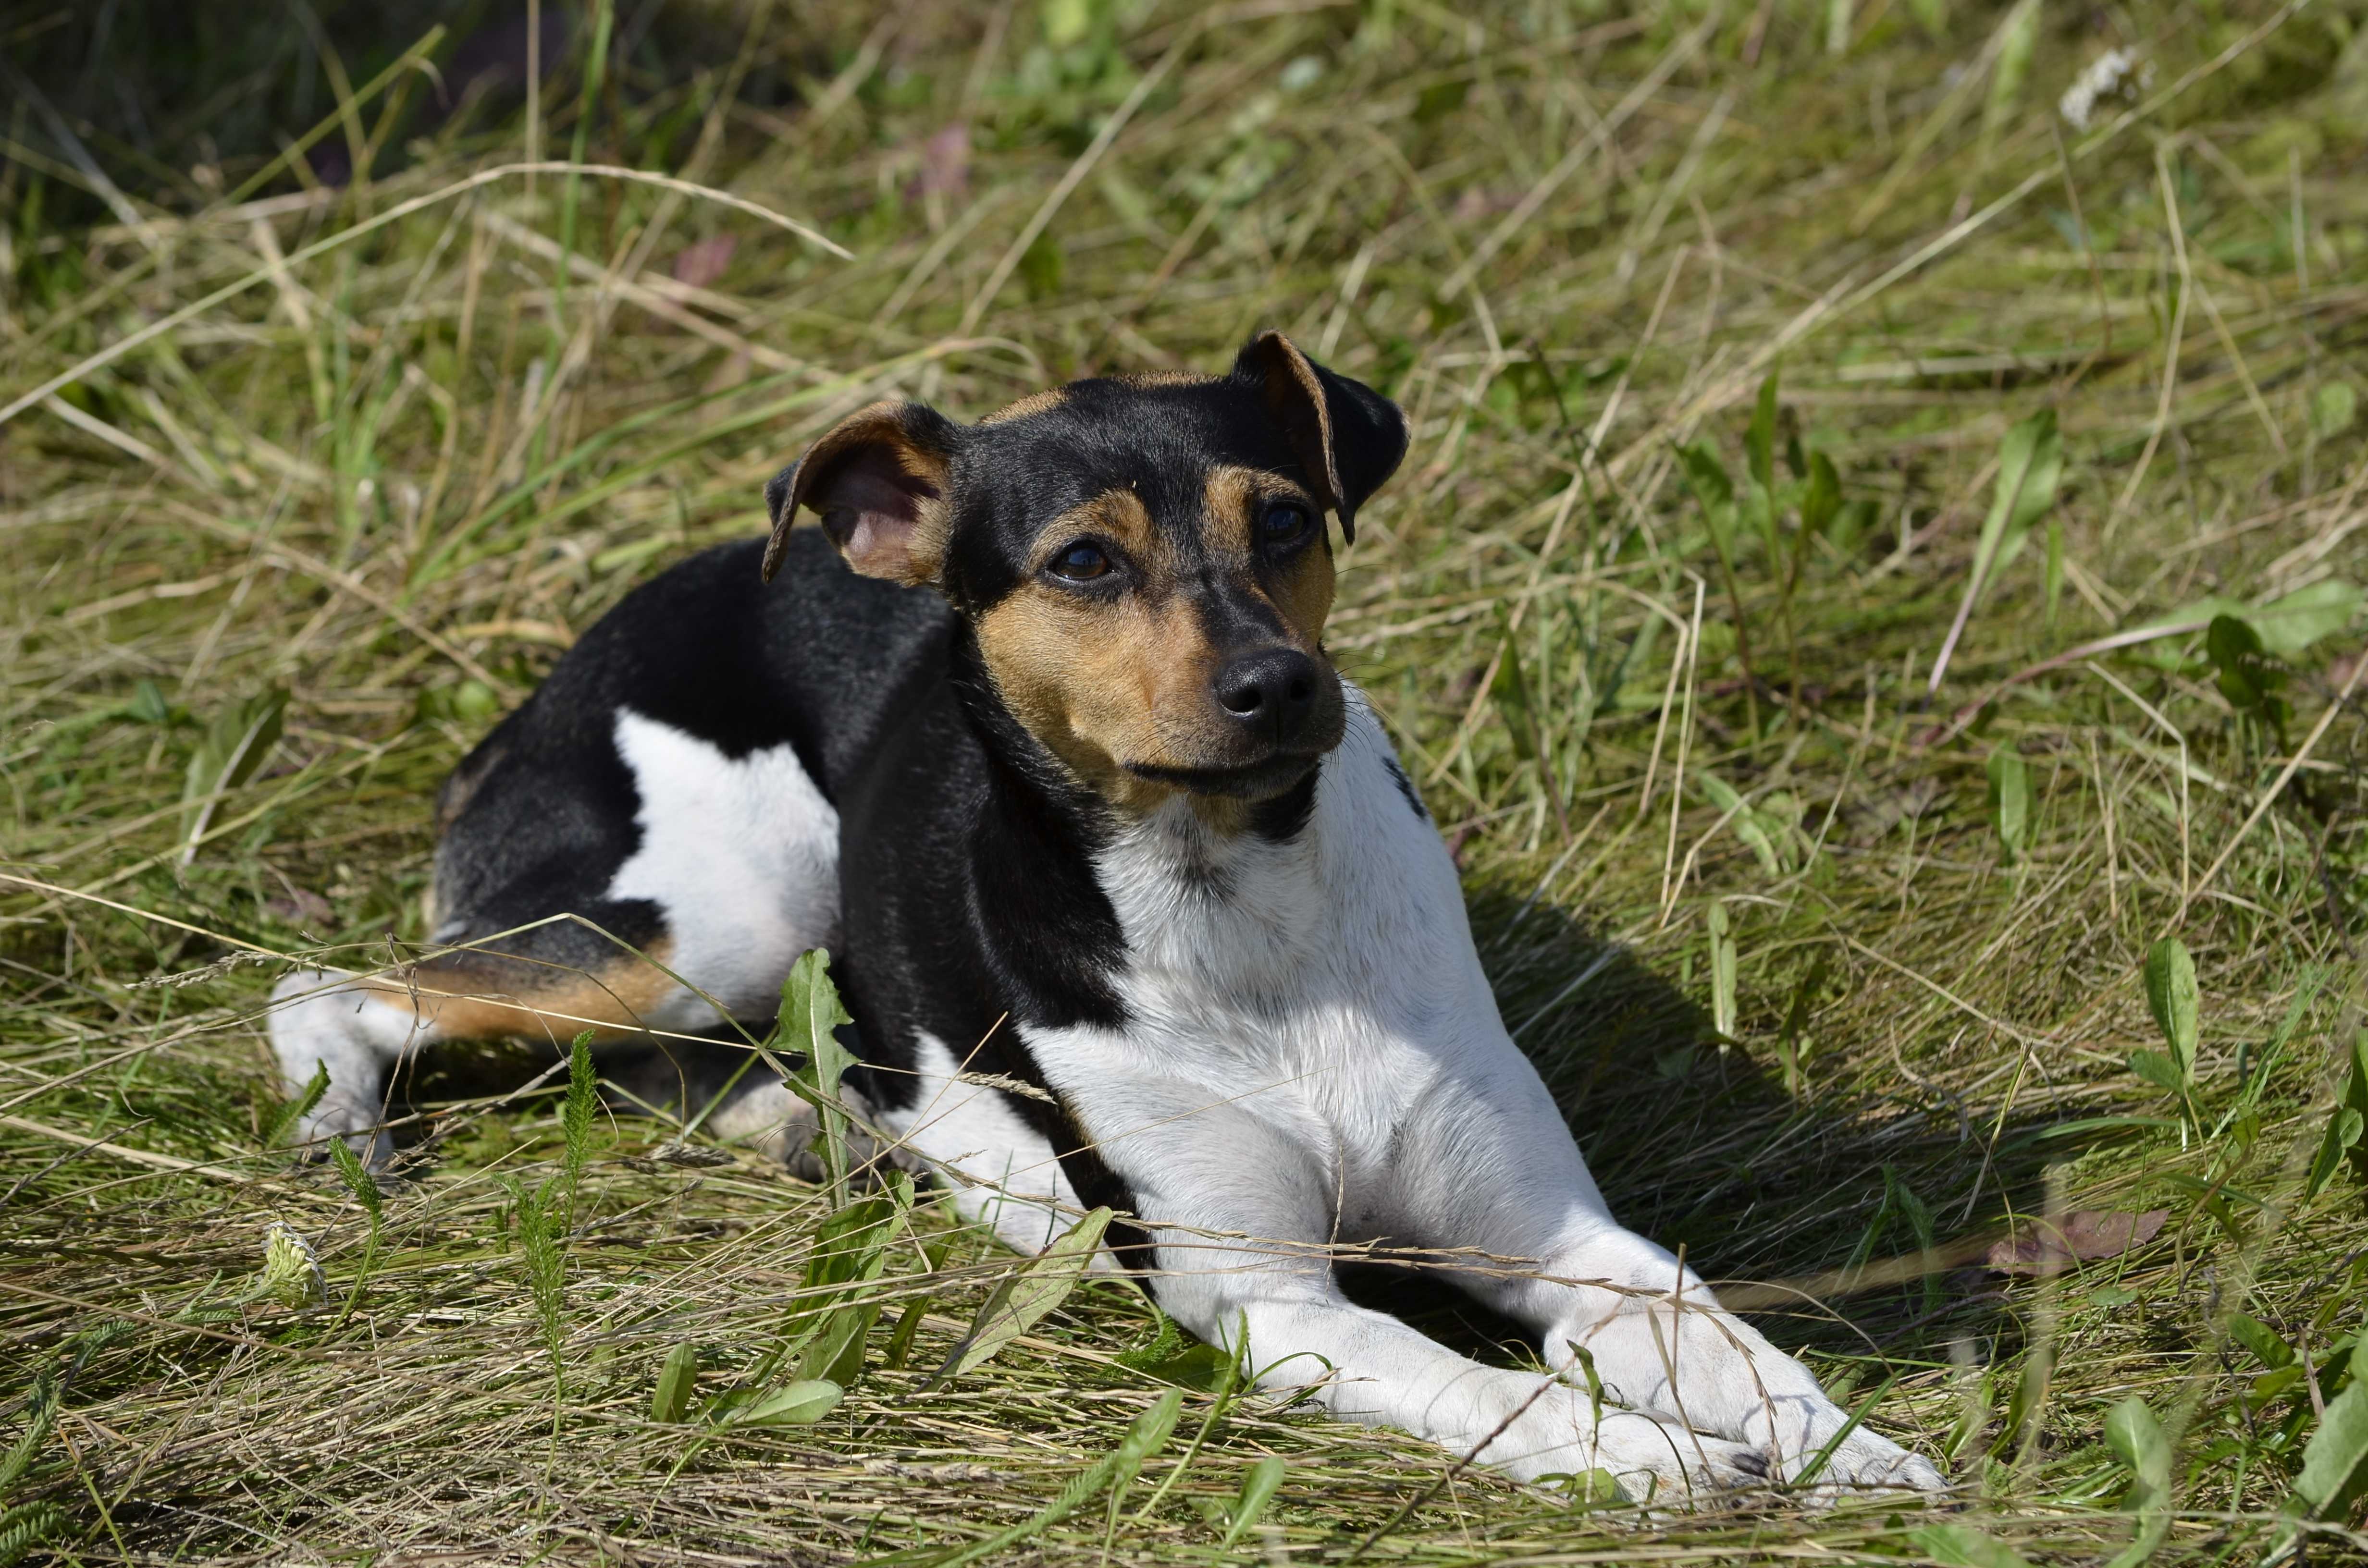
(1241, 1214)
(1489, 1166)
(1658, 1338)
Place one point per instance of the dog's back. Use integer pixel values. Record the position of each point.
(676, 783)
(645, 845)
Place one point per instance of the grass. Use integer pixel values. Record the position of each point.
(382, 450)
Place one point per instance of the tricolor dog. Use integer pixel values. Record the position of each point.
(1131, 899)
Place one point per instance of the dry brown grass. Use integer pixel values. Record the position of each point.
(396, 471)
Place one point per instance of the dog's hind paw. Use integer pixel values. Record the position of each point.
(355, 1125)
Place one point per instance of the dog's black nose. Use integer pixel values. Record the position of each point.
(1269, 693)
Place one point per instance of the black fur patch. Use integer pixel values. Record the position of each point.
(1406, 788)
(970, 910)
(1280, 818)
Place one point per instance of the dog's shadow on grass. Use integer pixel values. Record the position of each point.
(1697, 1144)
(506, 1082)
(1700, 1145)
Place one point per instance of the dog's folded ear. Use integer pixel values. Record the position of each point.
(1347, 437)
(878, 480)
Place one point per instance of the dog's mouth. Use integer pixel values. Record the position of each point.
(1230, 765)
(1250, 782)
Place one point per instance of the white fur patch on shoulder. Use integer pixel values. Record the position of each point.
(742, 855)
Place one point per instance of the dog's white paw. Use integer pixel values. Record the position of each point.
(336, 1116)
(1654, 1458)
(1861, 1463)
(317, 1026)
(1865, 1462)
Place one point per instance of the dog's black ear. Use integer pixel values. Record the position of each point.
(878, 480)
(1347, 437)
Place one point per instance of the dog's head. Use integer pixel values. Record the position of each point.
(1144, 560)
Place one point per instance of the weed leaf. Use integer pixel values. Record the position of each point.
(2287, 625)
(2171, 993)
(2137, 1440)
(1042, 1283)
(1146, 1437)
(575, 1114)
(2011, 801)
(2345, 1123)
(541, 1234)
(1258, 1487)
(41, 1416)
(835, 1354)
(1706, 477)
(850, 1248)
(1755, 829)
(2333, 407)
(1963, 1546)
(23, 1529)
(810, 1018)
(678, 1378)
(357, 1176)
(1821, 502)
(2293, 623)
(2335, 1463)
(2018, 36)
(148, 706)
(234, 748)
(2249, 677)
(2031, 462)
(827, 1325)
(800, 1404)
(1722, 974)
(1511, 692)
(1168, 1357)
(290, 1112)
(2262, 1340)
(900, 1339)
(1760, 440)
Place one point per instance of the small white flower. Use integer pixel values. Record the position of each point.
(2111, 73)
(291, 1273)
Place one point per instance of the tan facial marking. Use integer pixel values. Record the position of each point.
(1092, 676)
(1034, 403)
(1112, 682)
(1300, 589)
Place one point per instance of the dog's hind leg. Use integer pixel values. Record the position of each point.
(359, 1028)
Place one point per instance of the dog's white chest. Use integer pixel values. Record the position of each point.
(1324, 986)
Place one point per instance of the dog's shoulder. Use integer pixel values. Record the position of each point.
(814, 659)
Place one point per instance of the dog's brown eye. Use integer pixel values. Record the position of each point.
(1284, 524)
(1080, 562)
